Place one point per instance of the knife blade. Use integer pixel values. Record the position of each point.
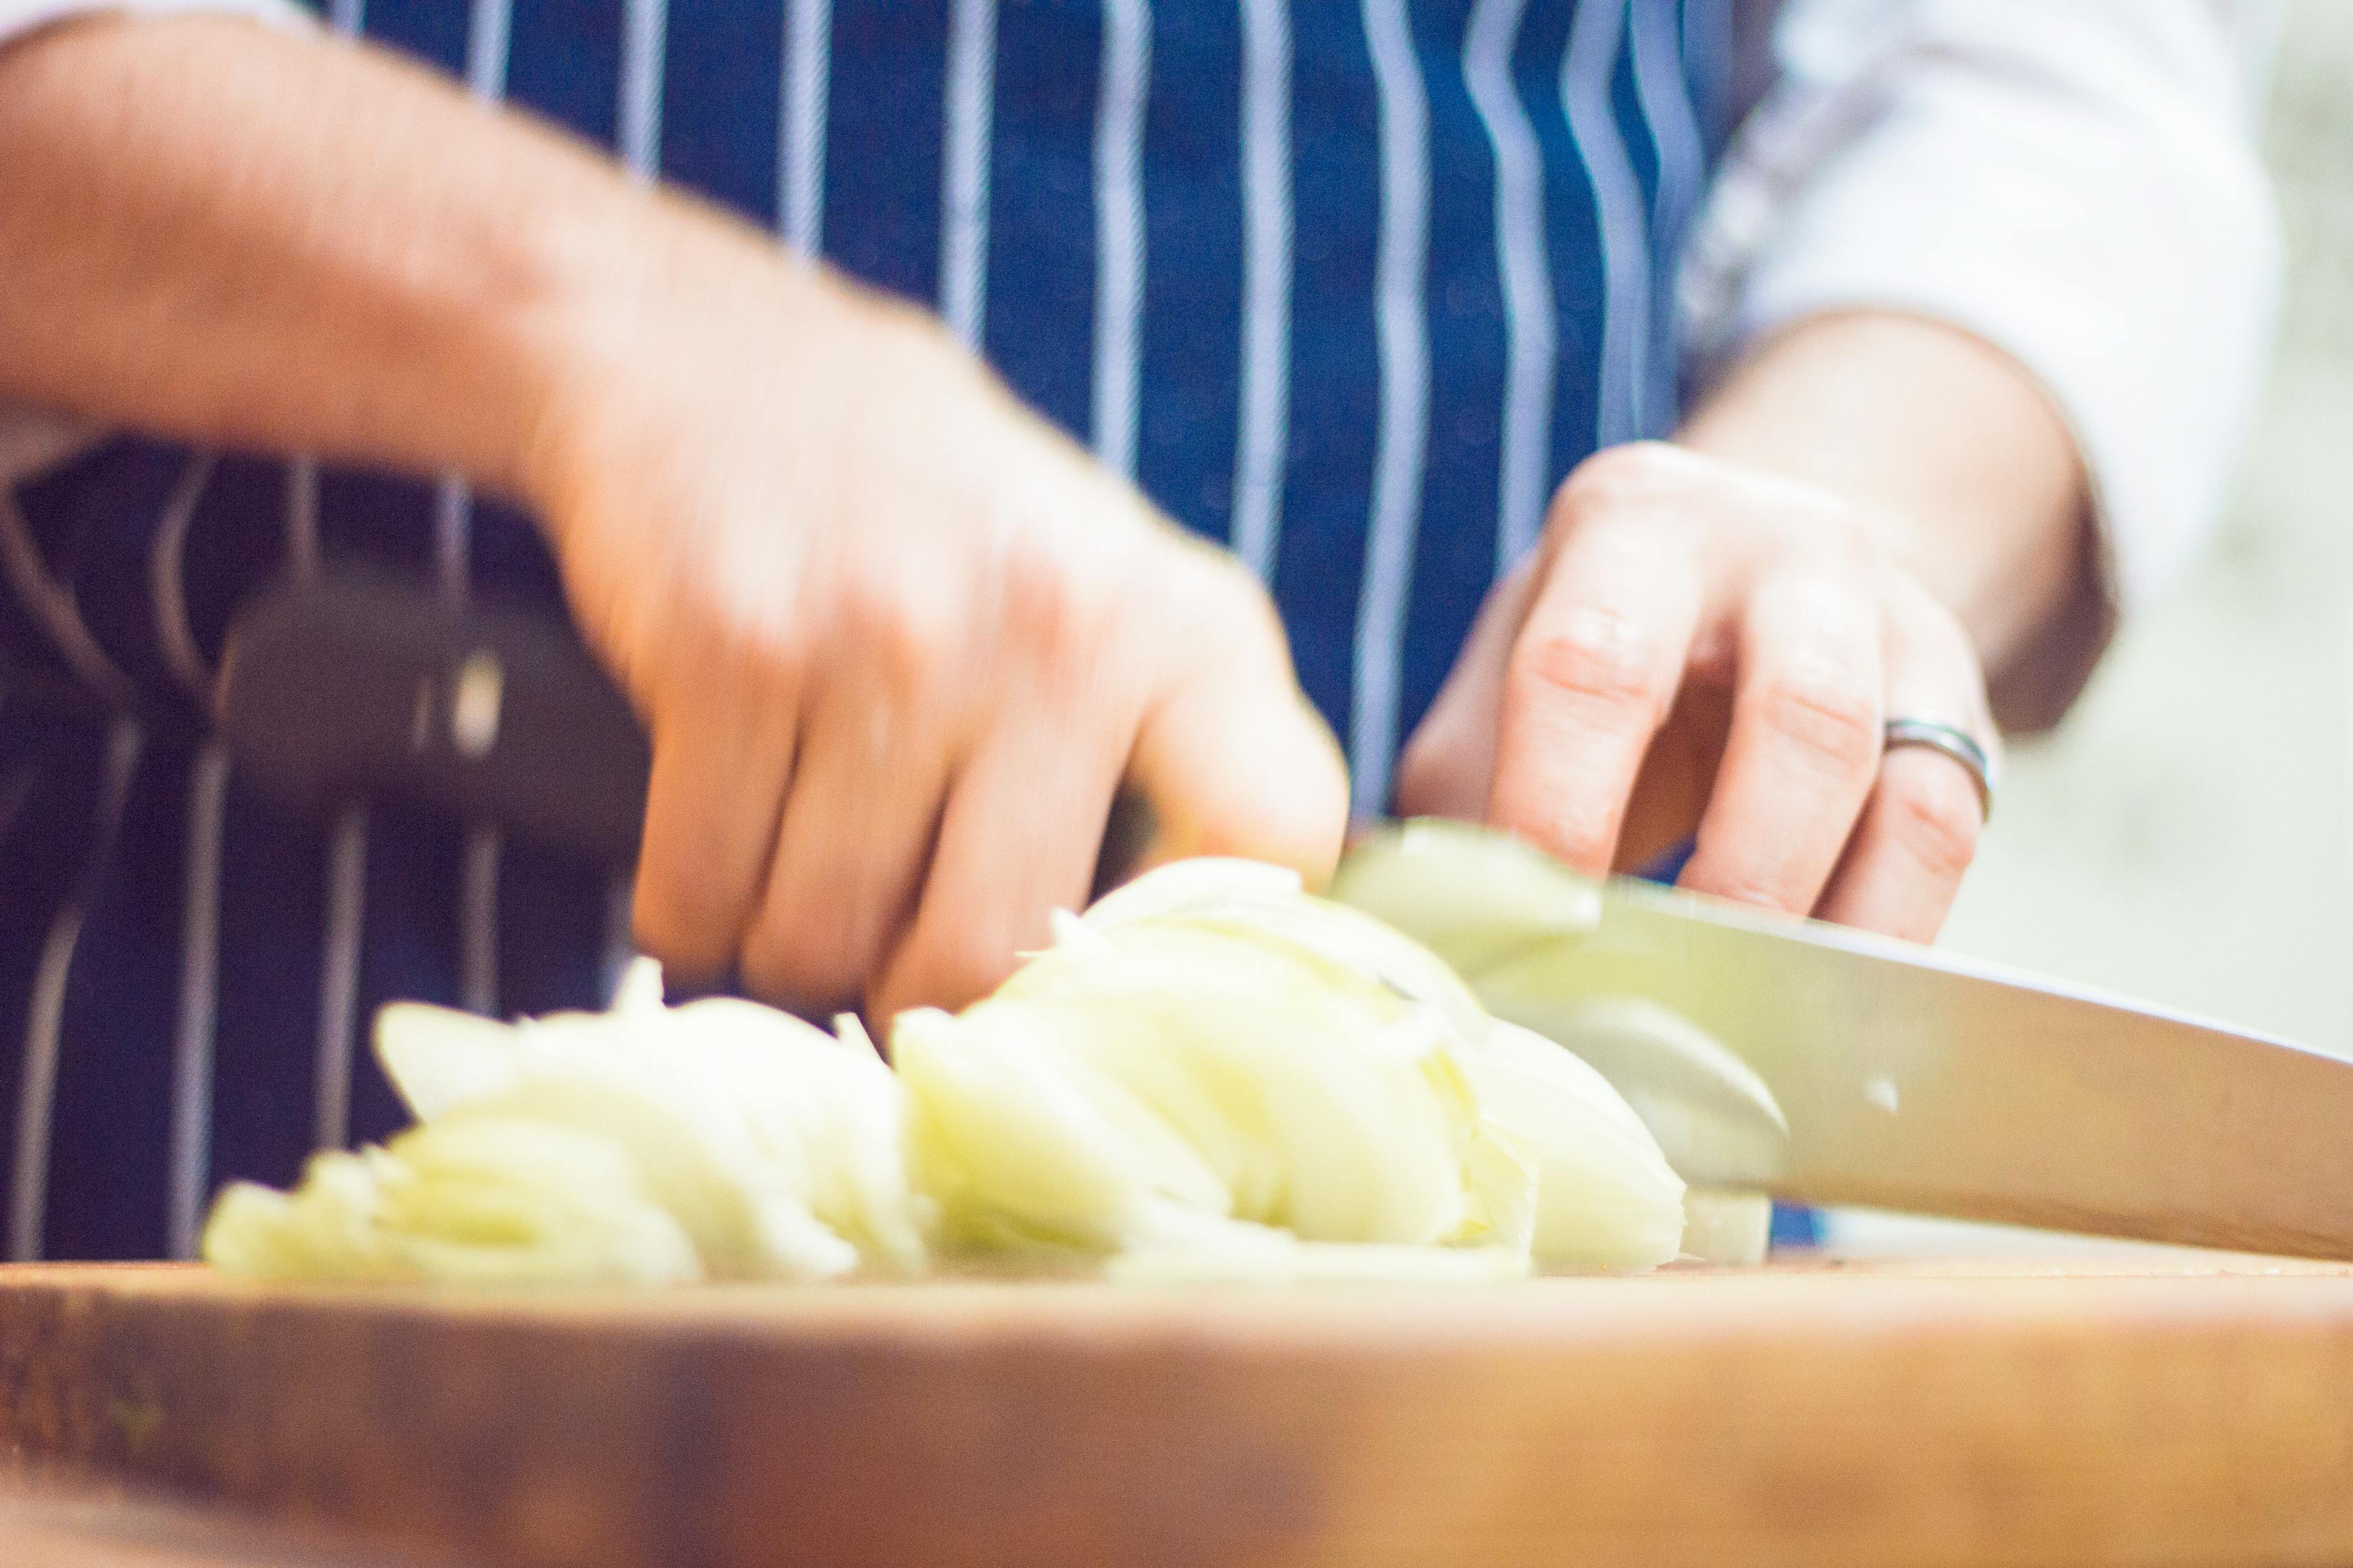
(1915, 1079)
(1919, 1081)
(1909, 1079)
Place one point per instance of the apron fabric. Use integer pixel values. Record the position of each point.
(1347, 285)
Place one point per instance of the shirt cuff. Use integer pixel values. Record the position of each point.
(2075, 189)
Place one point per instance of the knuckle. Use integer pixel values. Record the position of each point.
(1591, 658)
(1827, 713)
(1836, 538)
(1041, 595)
(1615, 478)
(895, 631)
(1933, 812)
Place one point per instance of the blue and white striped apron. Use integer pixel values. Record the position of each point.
(1346, 284)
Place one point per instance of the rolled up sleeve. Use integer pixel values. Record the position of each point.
(2073, 182)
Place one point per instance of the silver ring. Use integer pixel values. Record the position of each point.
(1955, 744)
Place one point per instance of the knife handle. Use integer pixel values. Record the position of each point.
(349, 686)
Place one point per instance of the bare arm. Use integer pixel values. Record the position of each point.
(221, 232)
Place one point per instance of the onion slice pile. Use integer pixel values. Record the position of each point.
(1512, 922)
(1211, 1075)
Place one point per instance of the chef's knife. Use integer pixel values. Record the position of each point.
(1909, 1079)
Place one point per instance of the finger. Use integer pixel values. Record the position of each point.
(1670, 792)
(857, 831)
(1592, 675)
(1804, 744)
(1919, 831)
(1243, 766)
(1448, 768)
(1016, 840)
(724, 753)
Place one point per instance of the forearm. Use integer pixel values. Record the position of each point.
(222, 233)
(1953, 448)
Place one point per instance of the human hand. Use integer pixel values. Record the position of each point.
(898, 643)
(1697, 646)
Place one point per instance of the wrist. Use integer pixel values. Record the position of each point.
(1962, 466)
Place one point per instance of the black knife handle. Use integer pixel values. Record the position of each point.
(349, 686)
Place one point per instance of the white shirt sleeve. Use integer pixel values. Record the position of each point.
(2074, 181)
(30, 442)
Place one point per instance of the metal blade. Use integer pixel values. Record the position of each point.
(1915, 1081)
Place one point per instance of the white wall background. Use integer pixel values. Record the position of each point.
(2187, 836)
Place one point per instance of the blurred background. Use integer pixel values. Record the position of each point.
(2187, 836)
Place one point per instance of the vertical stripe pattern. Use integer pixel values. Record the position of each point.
(490, 34)
(620, 946)
(45, 1013)
(302, 518)
(801, 157)
(1265, 391)
(1119, 230)
(645, 26)
(970, 110)
(192, 1044)
(1402, 326)
(339, 979)
(167, 582)
(1531, 325)
(195, 1022)
(1674, 128)
(1585, 73)
(50, 604)
(488, 38)
(346, 867)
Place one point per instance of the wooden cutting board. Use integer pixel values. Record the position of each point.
(2169, 1409)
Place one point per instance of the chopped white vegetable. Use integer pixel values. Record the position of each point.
(1708, 1109)
(1236, 1075)
(1223, 1047)
(1471, 895)
(1513, 922)
(1606, 1197)
(1211, 1076)
(771, 1145)
(1721, 1225)
(472, 1198)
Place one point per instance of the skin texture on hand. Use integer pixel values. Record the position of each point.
(1870, 513)
(898, 643)
(899, 663)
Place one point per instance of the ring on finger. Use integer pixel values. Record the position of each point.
(1955, 742)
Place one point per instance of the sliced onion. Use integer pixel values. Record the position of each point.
(1469, 894)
